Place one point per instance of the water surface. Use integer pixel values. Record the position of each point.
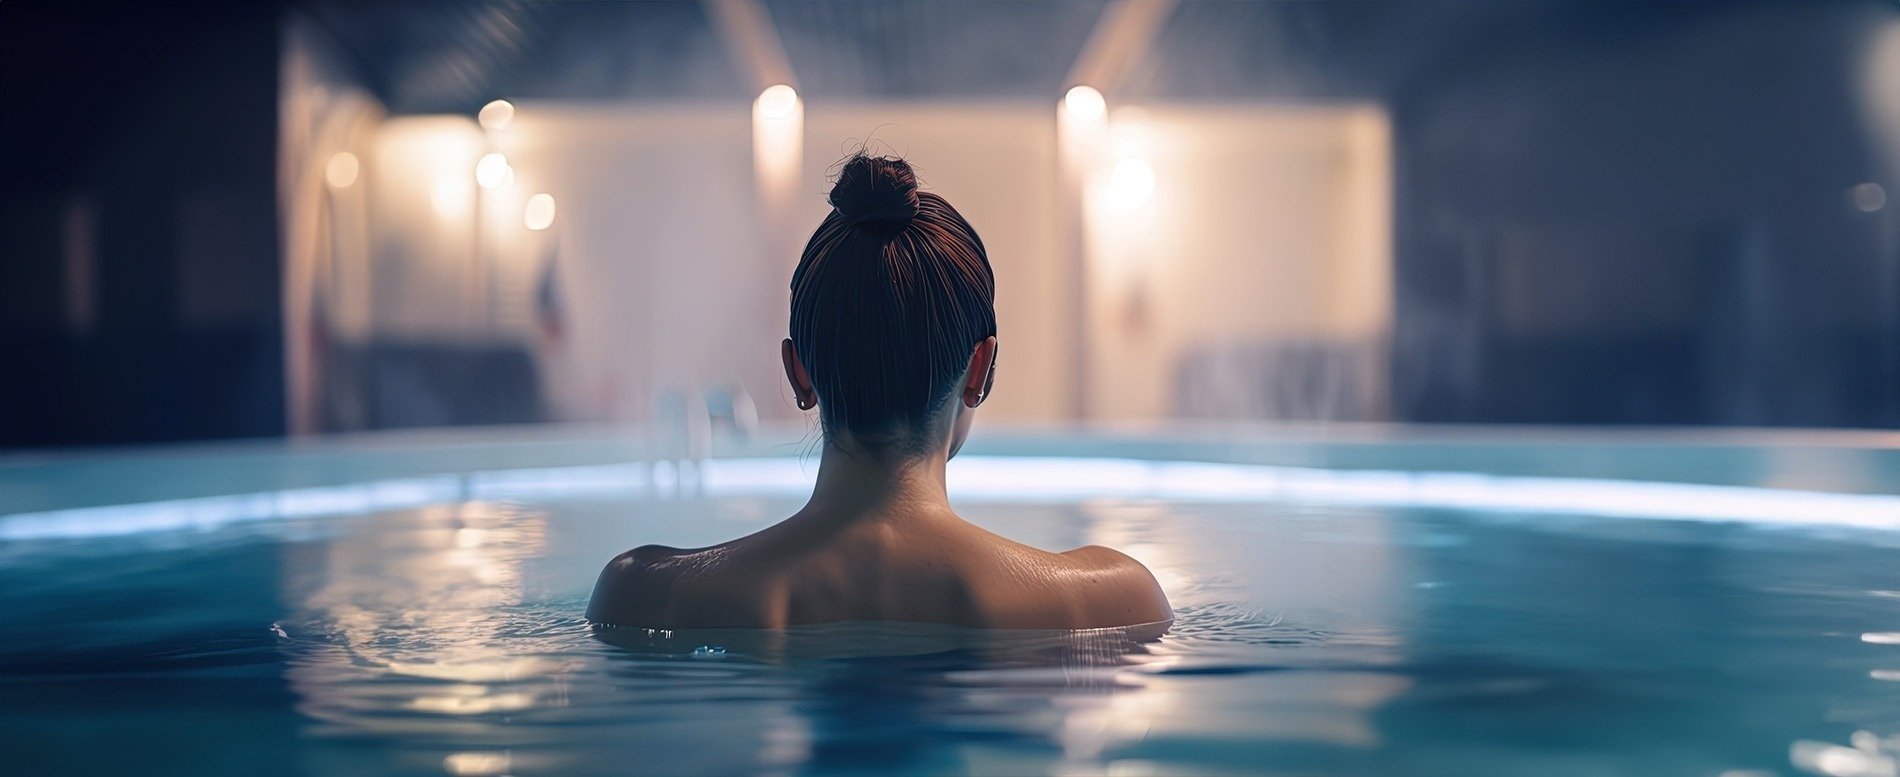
(1310, 639)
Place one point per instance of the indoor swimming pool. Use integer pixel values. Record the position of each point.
(1370, 601)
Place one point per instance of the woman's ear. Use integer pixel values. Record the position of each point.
(795, 374)
(980, 376)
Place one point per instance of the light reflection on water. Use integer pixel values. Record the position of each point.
(423, 620)
(448, 639)
(423, 626)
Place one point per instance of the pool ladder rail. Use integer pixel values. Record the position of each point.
(684, 422)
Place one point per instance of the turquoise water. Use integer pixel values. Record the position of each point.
(1314, 636)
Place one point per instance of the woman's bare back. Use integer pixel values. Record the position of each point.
(892, 340)
(932, 568)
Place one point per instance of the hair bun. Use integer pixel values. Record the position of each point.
(875, 189)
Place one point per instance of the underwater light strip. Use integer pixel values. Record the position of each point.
(978, 479)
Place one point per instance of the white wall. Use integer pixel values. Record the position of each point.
(661, 263)
(421, 187)
(668, 270)
(1267, 224)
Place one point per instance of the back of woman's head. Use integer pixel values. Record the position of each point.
(891, 296)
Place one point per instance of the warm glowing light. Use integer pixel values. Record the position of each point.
(777, 102)
(449, 196)
(475, 763)
(1084, 103)
(1130, 186)
(496, 115)
(1132, 138)
(778, 131)
(539, 214)
(493, 171)
(1867, 197)
(482, 671)
(462, 702)
(341, 171)
(470, 537)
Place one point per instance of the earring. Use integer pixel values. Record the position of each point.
(804, 404)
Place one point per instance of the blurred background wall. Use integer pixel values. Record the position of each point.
(241, 220)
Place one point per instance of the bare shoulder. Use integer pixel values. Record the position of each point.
(636, 587)
(1086, 588)
(672, 588)
(1106, 558)
(1120, 589)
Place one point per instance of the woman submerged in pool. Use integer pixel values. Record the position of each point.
(894, 341)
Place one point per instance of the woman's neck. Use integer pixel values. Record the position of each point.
(854, 483)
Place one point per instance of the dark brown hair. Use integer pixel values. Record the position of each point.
(892, 294)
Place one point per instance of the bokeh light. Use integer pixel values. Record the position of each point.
(496, 115)
(341, 170)
(1867, 197)
(539, 213)
(1084, 103)
(777, 101)
(493, 171)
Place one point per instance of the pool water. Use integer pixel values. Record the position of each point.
(1311, 637)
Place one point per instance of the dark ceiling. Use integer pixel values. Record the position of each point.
(422, 56)
(989, 48)
(452, 56)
